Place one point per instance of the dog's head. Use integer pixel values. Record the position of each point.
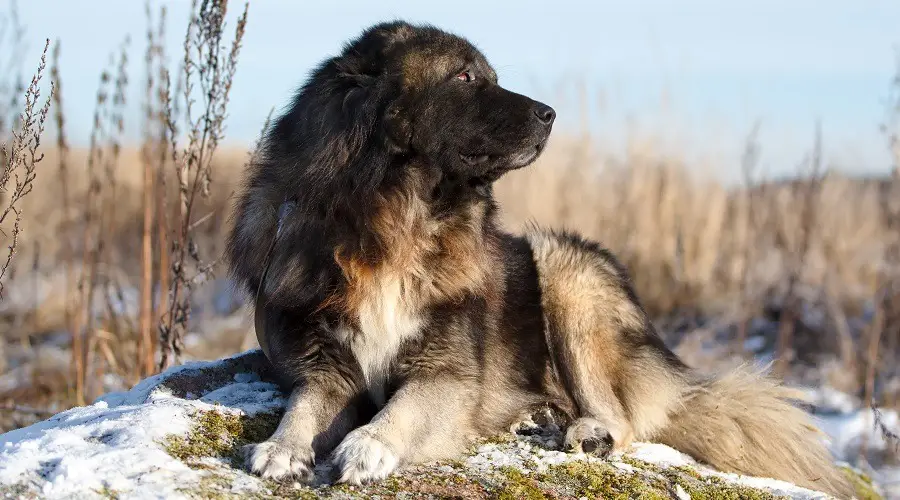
(447, 107)
(402, 132)
(419, 94)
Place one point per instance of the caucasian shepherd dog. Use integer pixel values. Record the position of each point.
(407, 323)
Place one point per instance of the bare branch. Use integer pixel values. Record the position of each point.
(22, 157)
(211, 66)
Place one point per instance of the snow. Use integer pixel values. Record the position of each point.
(846, 430)
(848, 425)
(116, 443)
(97, 447)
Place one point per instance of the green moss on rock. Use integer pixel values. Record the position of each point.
(17, 491)
(714, 488)
(517, 486)
(212, 486)
(107, 492)
(221, 435)
(684, 469)
(701, 487)
(218, 486)
(436, 481)
(647, 481)
(602, 480)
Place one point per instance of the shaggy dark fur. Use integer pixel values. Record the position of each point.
(406, 323)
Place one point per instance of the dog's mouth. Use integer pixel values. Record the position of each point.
(474, 160)
(505, 162)
(527, 157)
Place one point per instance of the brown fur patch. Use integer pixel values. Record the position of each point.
(433, 260)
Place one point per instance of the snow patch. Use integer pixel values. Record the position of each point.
(115, 443)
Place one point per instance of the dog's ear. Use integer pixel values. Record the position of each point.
(358, 93)
(370, 95)
(370, 105)
(398, 127)
(359, 90)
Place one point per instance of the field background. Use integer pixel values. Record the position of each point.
(739, 255)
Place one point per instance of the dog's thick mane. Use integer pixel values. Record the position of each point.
(365, 211)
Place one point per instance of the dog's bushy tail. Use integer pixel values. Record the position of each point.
(746, 422)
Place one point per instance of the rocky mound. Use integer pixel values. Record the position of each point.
(179, 435)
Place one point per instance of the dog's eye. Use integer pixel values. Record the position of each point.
(466, 76)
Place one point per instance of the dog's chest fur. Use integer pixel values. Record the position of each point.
(385, 318)
(426, 262)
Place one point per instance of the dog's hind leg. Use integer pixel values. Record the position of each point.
(620, 375)
(614, 364)
(587, 367)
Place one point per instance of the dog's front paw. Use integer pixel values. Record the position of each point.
(277, 460)
(362, 457)
(588, 435)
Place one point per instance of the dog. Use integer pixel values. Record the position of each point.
(406, 323)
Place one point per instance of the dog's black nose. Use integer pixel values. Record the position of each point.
(545, 113)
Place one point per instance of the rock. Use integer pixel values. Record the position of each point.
(179, 435)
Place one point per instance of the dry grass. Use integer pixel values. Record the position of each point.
(209, 66)
(83, 250)
(685, 238)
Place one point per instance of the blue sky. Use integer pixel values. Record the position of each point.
(696, 72)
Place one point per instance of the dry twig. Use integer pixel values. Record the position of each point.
(209, 65)
(21, 159)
